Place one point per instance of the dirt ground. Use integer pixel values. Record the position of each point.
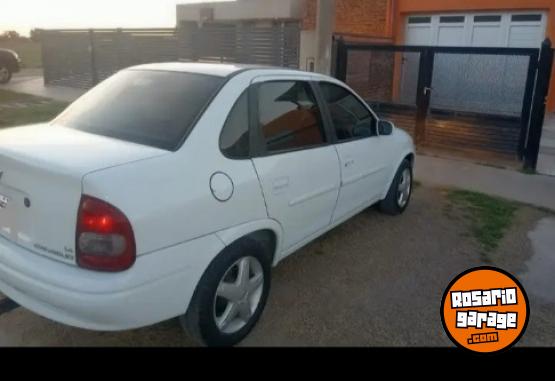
(373, 281)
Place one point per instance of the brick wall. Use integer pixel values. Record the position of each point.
(309, 15)
(370, 74)
(362, 17)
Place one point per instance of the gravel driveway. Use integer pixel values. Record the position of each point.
(373, 281)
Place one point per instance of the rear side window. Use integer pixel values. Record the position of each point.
(289, 116)
(350, 117)
(154, 108)
(234, 140)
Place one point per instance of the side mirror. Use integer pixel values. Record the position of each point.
(385, 127)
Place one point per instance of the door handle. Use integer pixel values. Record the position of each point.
(280, 183)
(349, 163)
(428, 90)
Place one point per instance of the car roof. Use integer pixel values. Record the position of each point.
(215, 69)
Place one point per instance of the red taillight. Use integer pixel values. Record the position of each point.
(104, 239)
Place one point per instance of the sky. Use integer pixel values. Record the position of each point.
(24, 15)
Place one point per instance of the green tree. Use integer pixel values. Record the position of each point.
(10, 35)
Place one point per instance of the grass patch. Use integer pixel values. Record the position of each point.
(30, 115)
(490, 216)
(29, 51)
(38, 109)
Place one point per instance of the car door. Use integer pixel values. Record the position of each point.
(363, 155)
(297, 165)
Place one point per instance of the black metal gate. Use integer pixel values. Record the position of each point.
(470, 99)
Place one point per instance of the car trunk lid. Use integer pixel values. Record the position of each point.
(41, 172)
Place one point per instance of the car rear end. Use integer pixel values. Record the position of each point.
(66, 251)
(65, 254)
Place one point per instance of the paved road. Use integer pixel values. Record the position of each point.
(30, 81)
(538, 190)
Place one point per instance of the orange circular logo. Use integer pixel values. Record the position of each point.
(485, 310)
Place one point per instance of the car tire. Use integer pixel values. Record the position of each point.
(203, 320)
(5, 74)
(400, 192)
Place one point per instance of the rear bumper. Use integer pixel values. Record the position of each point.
(158, 287)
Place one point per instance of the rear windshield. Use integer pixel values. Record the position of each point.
(154, 108)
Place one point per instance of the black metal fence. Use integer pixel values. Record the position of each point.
(455, 98)
(266, 43)
(82, 58)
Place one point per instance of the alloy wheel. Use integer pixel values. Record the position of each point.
(238, 295)
(404, 189)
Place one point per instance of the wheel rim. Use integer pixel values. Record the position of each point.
(404, 189)
(4, 73)
(238, 295)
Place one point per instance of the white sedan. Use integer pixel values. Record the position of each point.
(173, 189)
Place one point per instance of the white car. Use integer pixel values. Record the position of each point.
(173, 189)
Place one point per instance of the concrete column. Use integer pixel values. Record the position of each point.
(325, 25)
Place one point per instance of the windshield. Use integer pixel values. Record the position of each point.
(154, 108)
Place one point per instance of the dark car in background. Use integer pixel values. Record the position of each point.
(9, 63)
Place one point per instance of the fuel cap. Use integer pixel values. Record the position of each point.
(221, 186)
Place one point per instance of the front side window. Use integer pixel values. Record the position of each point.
(154, 108)
(289, 116)
(351, 119)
